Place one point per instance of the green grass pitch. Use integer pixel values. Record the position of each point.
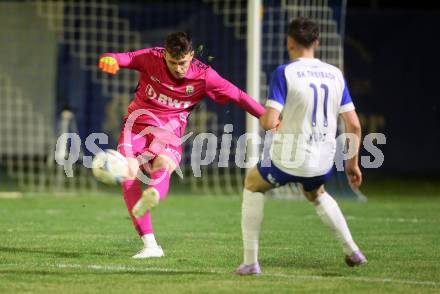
(83, 244)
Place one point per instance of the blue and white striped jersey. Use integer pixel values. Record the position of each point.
(310, 94)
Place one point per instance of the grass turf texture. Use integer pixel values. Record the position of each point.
(83, 244)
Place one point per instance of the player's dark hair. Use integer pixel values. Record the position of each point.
(178, 44)
(304, 31)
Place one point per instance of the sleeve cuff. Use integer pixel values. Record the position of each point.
(274, 104)
(346, 107)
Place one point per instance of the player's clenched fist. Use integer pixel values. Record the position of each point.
(108, 64)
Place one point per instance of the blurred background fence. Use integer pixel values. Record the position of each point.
(49, 82)
(50, 49)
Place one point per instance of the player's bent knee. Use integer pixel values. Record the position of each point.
(255, 183)
(162, 162)
(250, 185)
(314, 194)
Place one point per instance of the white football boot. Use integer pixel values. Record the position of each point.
(148, 252)
(149, 199)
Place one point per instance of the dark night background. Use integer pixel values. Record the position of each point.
(391, 65)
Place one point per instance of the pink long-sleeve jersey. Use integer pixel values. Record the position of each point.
(169, 99)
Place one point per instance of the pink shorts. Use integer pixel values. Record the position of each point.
(150, 141)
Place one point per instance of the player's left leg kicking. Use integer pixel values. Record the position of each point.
(160, 172)
(161, 169)
(131, 146)
(131, 188)
(132, 193)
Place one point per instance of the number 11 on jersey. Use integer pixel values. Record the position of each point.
(315, 103)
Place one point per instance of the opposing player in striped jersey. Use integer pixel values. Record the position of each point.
(306, 97)
(171, 84)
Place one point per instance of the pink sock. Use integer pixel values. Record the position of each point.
(132, 193)
(162, 177)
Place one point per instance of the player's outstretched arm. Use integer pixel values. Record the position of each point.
(245, 102)
(221, 91)
(111, 62)
(353, 126)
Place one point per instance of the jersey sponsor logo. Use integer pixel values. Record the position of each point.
(151, 94)
(189, 90)
(164, 99)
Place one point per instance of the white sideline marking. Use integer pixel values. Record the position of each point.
(359, 279)
(10, 195)
(306, 277)
(393, 220)
(384, 219)
(123, 268)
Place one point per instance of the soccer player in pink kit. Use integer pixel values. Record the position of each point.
(171, 84)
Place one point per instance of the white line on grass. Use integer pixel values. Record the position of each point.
(384, 219)
(122, 268)
(413, 220)
(10, 195)
(359, 279)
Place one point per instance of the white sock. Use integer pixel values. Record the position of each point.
(149, 240)
(252, 211)
(330, 214)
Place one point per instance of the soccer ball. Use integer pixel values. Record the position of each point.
(110, 167)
